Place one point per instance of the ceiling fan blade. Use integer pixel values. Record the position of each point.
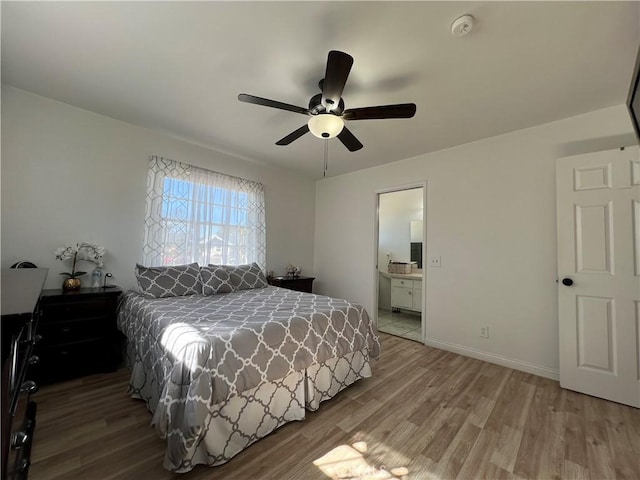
(402, 110)
(349, 140)
(243, 97)
(293, 135)
(338, 68)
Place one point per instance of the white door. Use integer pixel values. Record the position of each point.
(598, 215)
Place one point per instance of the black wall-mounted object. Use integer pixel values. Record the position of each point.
(633, 99)
(416, 253)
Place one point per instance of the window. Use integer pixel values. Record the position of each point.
(196, 215)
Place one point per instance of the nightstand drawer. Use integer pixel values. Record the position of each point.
(74, 331)
(60, 312)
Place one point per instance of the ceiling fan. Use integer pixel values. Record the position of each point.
(326, 109)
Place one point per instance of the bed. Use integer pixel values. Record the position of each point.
(220, 371)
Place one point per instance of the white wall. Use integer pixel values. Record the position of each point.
(491, 217)
(70, 175)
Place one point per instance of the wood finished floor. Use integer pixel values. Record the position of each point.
(437, 414)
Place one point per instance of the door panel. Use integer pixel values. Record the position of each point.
(593, 238)
(637, 315)
(596, 333)
(598, 227)
(590, 178)
(636, 237)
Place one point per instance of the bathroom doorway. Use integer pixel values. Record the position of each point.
(400, 252)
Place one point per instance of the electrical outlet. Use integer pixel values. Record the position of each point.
(484, 332)
(434, 261)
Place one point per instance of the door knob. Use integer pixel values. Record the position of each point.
(567, 282)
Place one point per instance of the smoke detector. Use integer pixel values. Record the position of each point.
(461, 26)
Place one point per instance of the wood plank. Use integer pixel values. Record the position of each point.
(506, 452)
(457, 452)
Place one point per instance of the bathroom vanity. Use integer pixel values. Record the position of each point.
(406, 290)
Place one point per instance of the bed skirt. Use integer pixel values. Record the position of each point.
(233, 425)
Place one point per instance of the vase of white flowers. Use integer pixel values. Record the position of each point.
(88, 252)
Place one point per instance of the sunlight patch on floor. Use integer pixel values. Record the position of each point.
(349, 462)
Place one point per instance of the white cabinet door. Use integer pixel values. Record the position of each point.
(401, 297)
(417, 295)
(598, 215)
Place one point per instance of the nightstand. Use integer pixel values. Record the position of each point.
(301, 284)
(79, 333)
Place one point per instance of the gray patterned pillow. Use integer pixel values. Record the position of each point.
(245, 277)
(173, 281)
(215, 279)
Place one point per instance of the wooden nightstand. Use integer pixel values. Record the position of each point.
(301, 284)
(79, 333)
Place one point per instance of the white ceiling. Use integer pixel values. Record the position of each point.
(178, 67)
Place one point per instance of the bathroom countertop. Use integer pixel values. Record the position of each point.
(407, 276)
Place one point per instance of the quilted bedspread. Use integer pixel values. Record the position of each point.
(207, 349)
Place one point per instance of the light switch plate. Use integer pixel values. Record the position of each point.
(435, 261)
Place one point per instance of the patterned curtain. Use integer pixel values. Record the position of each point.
(196, 215)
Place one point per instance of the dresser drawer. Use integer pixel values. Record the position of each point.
(74, 360)
(74, 331)
(58, 312)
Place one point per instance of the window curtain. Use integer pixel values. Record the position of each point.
(197, 215)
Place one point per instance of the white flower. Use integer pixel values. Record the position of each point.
(67, 252)
(89, 252)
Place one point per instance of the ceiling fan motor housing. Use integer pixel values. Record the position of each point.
(316, 107)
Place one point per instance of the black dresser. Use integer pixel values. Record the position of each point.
(79, 334)
(20, 291)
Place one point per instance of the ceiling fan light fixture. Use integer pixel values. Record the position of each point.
(326, 125)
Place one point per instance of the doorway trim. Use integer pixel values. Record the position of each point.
(376, 233)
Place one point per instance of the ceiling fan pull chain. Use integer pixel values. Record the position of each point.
(326, 158)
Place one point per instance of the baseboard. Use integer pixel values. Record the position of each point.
(497, 359)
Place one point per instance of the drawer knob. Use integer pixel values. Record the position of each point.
(29, 387)
(23, 465)
(19, 439)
